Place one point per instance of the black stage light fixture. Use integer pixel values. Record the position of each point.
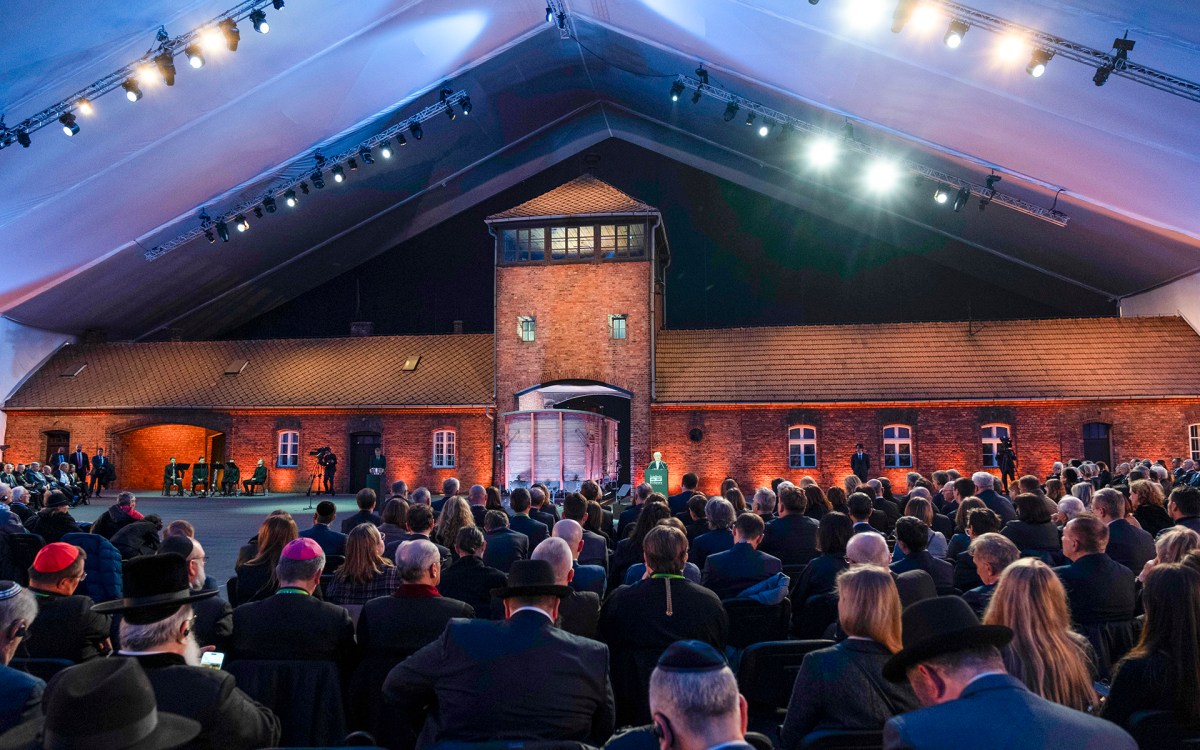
(1102, 74)
(696, 96)
(549, 14)
(258, 212)
(941, 195)
(68, 124)
(133, 92)
(445, 99)
(765, 129)
(208, 235)
(785, 132)
(991, 181)
(231, 33)
(240, 222)
(352, 164)
(676, 90)
(269, 204)
(385, 149)
(23, 138)
(339, 174)
(303, 188)
(277, 4)
(702, 74)
(222, 230)
(960, 200)
(561, 18)
(731, 111)
(465, 105)
(364, 153)
(318, 181)
(813, 2)
(401, 141)
(1037, 62)
(195, 56)
(955, 33)
(750, 119)
(165, 62)
(290, 198)
(417, 131)
(259, 20)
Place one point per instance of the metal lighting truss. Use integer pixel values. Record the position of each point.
(1072, 51)
(163, 43)
(562, 18)
(1053, 216)
(323, 162)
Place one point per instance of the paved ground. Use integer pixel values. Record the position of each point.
(222, 524)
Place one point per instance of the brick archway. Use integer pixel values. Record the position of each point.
(140, 453)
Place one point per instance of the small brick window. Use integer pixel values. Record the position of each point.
(616, 325)
(444, 449)
(527, 328)
(288, 455)
(897, 447)
(802, 447)
(991, 435)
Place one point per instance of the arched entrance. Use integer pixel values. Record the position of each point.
(592, 397)
(139, 455)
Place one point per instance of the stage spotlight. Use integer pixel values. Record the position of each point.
(784, 132)
(954, 34)
(240, 222)
(465, 105)
(133, 92)
(303, 188)
(676, 90)
(696, 96)
(68, 123)
(212, 39)
(549, 14)
(941, 195)
(1037, 62)
(882, 176)
(765, 129)
(385, 149)
(84, 107)
(339, 174)
(401, 141)
(925, 18)
(750, 119)
(222, 230)
(731, 111)
(23, 138)
(290, 198)
(902, 14)
(365, 154)
(352, 164)
(416, 131)
(208, 235)
(232, 34)
(195, 56)
(277, 4)
(318, 181)
(258, 212)
(1102, 74)
(822, 152)
(269, 204)
(165, 62)
(1011, 48)
(991, 181)
(961, 198)
(445, 98)
(259, 20)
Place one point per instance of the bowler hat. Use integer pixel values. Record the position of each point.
(531, 578)
(938, 626)
(156, 586)
(105, 703)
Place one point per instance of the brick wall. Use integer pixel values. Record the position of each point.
(144, 453)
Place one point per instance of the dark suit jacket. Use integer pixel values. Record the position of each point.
(890, 511)
(399, 625)
(595, 549)
(475, 668)
(1191, 522)
(469, 579)
(546, 519)
(941, 571)
(504, 546)
(842, 687)
(998, 712)
(363, 516)
(535, 530)
(860, 464)
(818, 578)
(1099, 589)
(731, 572)
(479, 513)
(678, 503)
(579, 613)
(793, 539)
(914, 586)
(20, 698)
(628, 518)
(1129, 545)
(1033, 537)
(999, 504)
(293, 627)
(979, 597)
(65, 628)
(229, 719)
(389, 550)
(1153, 518)
(709, 543)
(589, 578)
(966, 576)
(332, 542)
(214, 621)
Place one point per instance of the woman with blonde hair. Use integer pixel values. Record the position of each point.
(1148, 506)
(456, 514)
(1171, 546)
(851, 483)
(1051, 659)
(366, 573)
(842, 687)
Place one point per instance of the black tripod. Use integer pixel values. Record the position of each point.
(315, 477)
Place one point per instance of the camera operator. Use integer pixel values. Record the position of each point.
(328, 461)
(1006, 461)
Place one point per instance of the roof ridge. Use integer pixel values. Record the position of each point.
(812, 326)
(586, 194)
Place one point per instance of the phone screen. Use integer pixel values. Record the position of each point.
(212, 659)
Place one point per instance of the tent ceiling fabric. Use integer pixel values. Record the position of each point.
(77, 213)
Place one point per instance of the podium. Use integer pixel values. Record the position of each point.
(657, 478)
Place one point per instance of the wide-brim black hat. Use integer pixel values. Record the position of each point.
(531, 578)
(938, 626)
(155, 586)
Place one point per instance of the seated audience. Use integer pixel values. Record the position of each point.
(763, 503)
(416, 613)
(816, 505)
(629, 550)
(678, 503)
(793, 536)
(587, 577)
(922, 510)
(1148, 506)
(20, 693)
(395, 520)
(119, 515)
(731, 572)
(160, 638)
(693, 517)
(720, 515)
(66, 627)
(419, 520)
(542, 682)
(365, 499)
(912, 535)
(578, 612)
(991, 553)
(980, 521)
(629, 515)
(477, 498)
(1099, 589)
(469, 579)
(1127, 544)
(955, 668)
(595, 546)
(494, 500)
(450, 487)
(694, 700)
(1051, 660)
(1033, 532)
(837, 499)
(1171, 546)
(1084, 491)
(639, 621)
(843, 687)
(521, 522)
(1184, 507)
(366, 574)
(820, 575)
(1068, 508)
(332, 542)
(212, 622)
(455, 514)
(861, 511)
(504, 546)
(1162, 672)
(961, 539)
(256, 577)
(139, 538)
(995, 502)
(53, 521)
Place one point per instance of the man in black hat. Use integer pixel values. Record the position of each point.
(107, 703)
(520, 679)
(954, 666)
(156, 630)
(694, 700)
(213, 622)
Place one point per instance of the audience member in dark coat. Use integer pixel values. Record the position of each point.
(793, 536)
(820, 575)
(579, 614)
(53, 522)
(332, 542)
(118, 516)
(629, 516)
(469, 579)
(521, 523)
(629, 550)
(504, 546)
(731, 572)
(213, 616)
(1127, 544)
(65, 626)
(678, 503)
(991, 553)
(1148, 507)
(20, 693)
(1098, 588)
(595, 546)
(365, 499)
(138, 538)
(1184, 507)
(912, 536)
(995, 502)
(561, 679)
(710, 543)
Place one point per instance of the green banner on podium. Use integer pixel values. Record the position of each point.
(656, 475)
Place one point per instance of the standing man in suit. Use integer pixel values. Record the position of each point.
(860, 462)
(954, 666)
(694, 700)
(586, 577)
(469, 579)
(332, 542)
(504, 546)
(542, 682)
(1127, 544)
(81, 462)
(329, 463)
(997, 503)
(731, 572)
(100, 467)
(521, 523)
(793, 536)
(1098, 588)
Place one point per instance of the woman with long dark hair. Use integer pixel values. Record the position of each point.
(629, 550)
(256, 577)
(816, 505)
(820, 575)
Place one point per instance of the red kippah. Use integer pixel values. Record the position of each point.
(55, 557)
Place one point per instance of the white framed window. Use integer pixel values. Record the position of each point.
(897, 447)
(527, 328)
(444, 449)
(288, 455)
(572, 243)
(1194, 441)
(616, 325)
(622, 240)
(802, 447)
(991, 435)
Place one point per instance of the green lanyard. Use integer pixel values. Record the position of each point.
(292, 590)
(674, 576)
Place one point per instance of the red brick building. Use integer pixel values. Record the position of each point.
(580, 380)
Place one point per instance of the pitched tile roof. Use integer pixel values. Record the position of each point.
(1018, 359)
(342, 372)
(585, 195)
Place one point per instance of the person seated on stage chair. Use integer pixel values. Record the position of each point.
(257, 479)
(200, 476)
(172, 478)
(230, 479)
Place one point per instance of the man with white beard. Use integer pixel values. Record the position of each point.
(213, 623)
(156, 629)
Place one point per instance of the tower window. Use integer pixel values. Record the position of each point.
(527, 328)
(616, 325)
